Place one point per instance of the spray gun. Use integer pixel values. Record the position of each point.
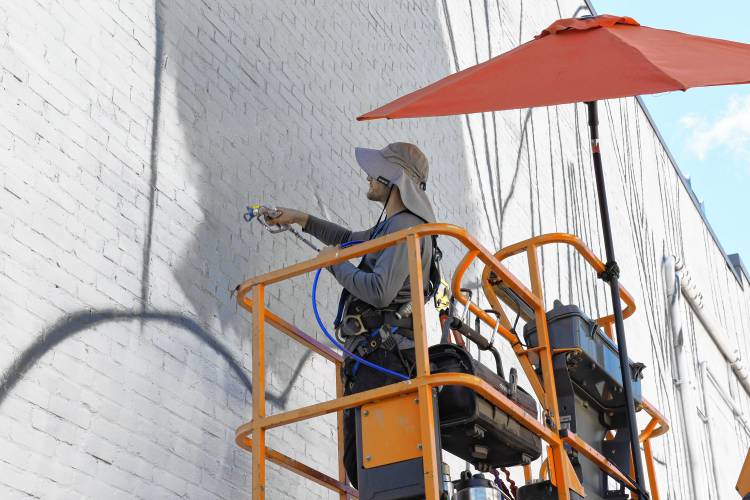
(262, 214)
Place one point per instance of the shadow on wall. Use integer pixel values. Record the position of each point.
(240, 119)
(80, 321)
(231, 92)
(266, 100)
(83, 320)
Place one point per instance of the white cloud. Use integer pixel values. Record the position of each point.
(731, 130)
(690, 120)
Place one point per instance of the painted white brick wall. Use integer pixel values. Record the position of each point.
(134, 134)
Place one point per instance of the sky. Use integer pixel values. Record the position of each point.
(706, 129)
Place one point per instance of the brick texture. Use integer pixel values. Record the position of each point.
(133, 136)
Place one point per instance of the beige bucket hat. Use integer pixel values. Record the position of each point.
(404, 165)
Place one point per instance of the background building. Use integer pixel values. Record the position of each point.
(134, 134)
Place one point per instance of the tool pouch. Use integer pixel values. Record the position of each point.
(471, 427)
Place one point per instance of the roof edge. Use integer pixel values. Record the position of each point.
(739, 265)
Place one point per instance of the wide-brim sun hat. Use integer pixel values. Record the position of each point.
(405, 166)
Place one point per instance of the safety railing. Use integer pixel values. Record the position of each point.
(252, 435)
(657, 425)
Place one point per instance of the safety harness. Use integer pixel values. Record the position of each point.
(365, 329)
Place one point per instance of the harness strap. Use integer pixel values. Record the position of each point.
(363, 323)
(345, 293)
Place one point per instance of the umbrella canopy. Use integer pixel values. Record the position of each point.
(576, 60)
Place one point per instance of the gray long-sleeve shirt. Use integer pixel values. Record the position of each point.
(384, 277)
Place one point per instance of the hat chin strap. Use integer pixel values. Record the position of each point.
(385, 204)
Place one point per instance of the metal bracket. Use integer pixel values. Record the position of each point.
(611, 270)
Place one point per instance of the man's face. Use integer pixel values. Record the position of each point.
(377, 190)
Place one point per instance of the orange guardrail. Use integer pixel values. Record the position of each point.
(251, 435)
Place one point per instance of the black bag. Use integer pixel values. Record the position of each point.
(473, 429)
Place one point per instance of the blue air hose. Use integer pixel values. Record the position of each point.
(333, 340)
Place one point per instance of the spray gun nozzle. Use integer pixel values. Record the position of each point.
(263, 213)
(252, 212)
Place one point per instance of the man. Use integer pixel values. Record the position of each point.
(376, 289)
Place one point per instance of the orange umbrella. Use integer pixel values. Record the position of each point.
(576, 60)
(579, 60)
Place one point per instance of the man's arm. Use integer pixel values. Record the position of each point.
(325, 231)
(379, 287)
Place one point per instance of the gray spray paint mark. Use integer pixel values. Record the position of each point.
(646, 250)
(567, 230)
(446, 14)
(665, 206)
(532, 225)
(660, 352)
(570, 188)
(535, 194)
(566, 212)
(654, 291)
(670, 204)
(659, 345)
(499, 19)
(583, 275)
(511, 190)
(532, 204)
(575, 272)
(715, 293)
(481, 186)
(678, 190)
(638, 229)
(81, 321)
(644, 244)
(154, 155)
(497, 202)
(495, 187)
(322, 206)
(474, 32)
(493, 191)
(576, 203)
(554, 198)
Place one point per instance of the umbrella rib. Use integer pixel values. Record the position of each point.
(680, 85)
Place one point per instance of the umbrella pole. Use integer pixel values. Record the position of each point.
(611, 275)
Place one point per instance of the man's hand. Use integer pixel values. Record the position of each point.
(288, 216)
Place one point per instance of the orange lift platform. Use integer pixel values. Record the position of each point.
(395, 403)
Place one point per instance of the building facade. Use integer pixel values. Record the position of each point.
(134, 135)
